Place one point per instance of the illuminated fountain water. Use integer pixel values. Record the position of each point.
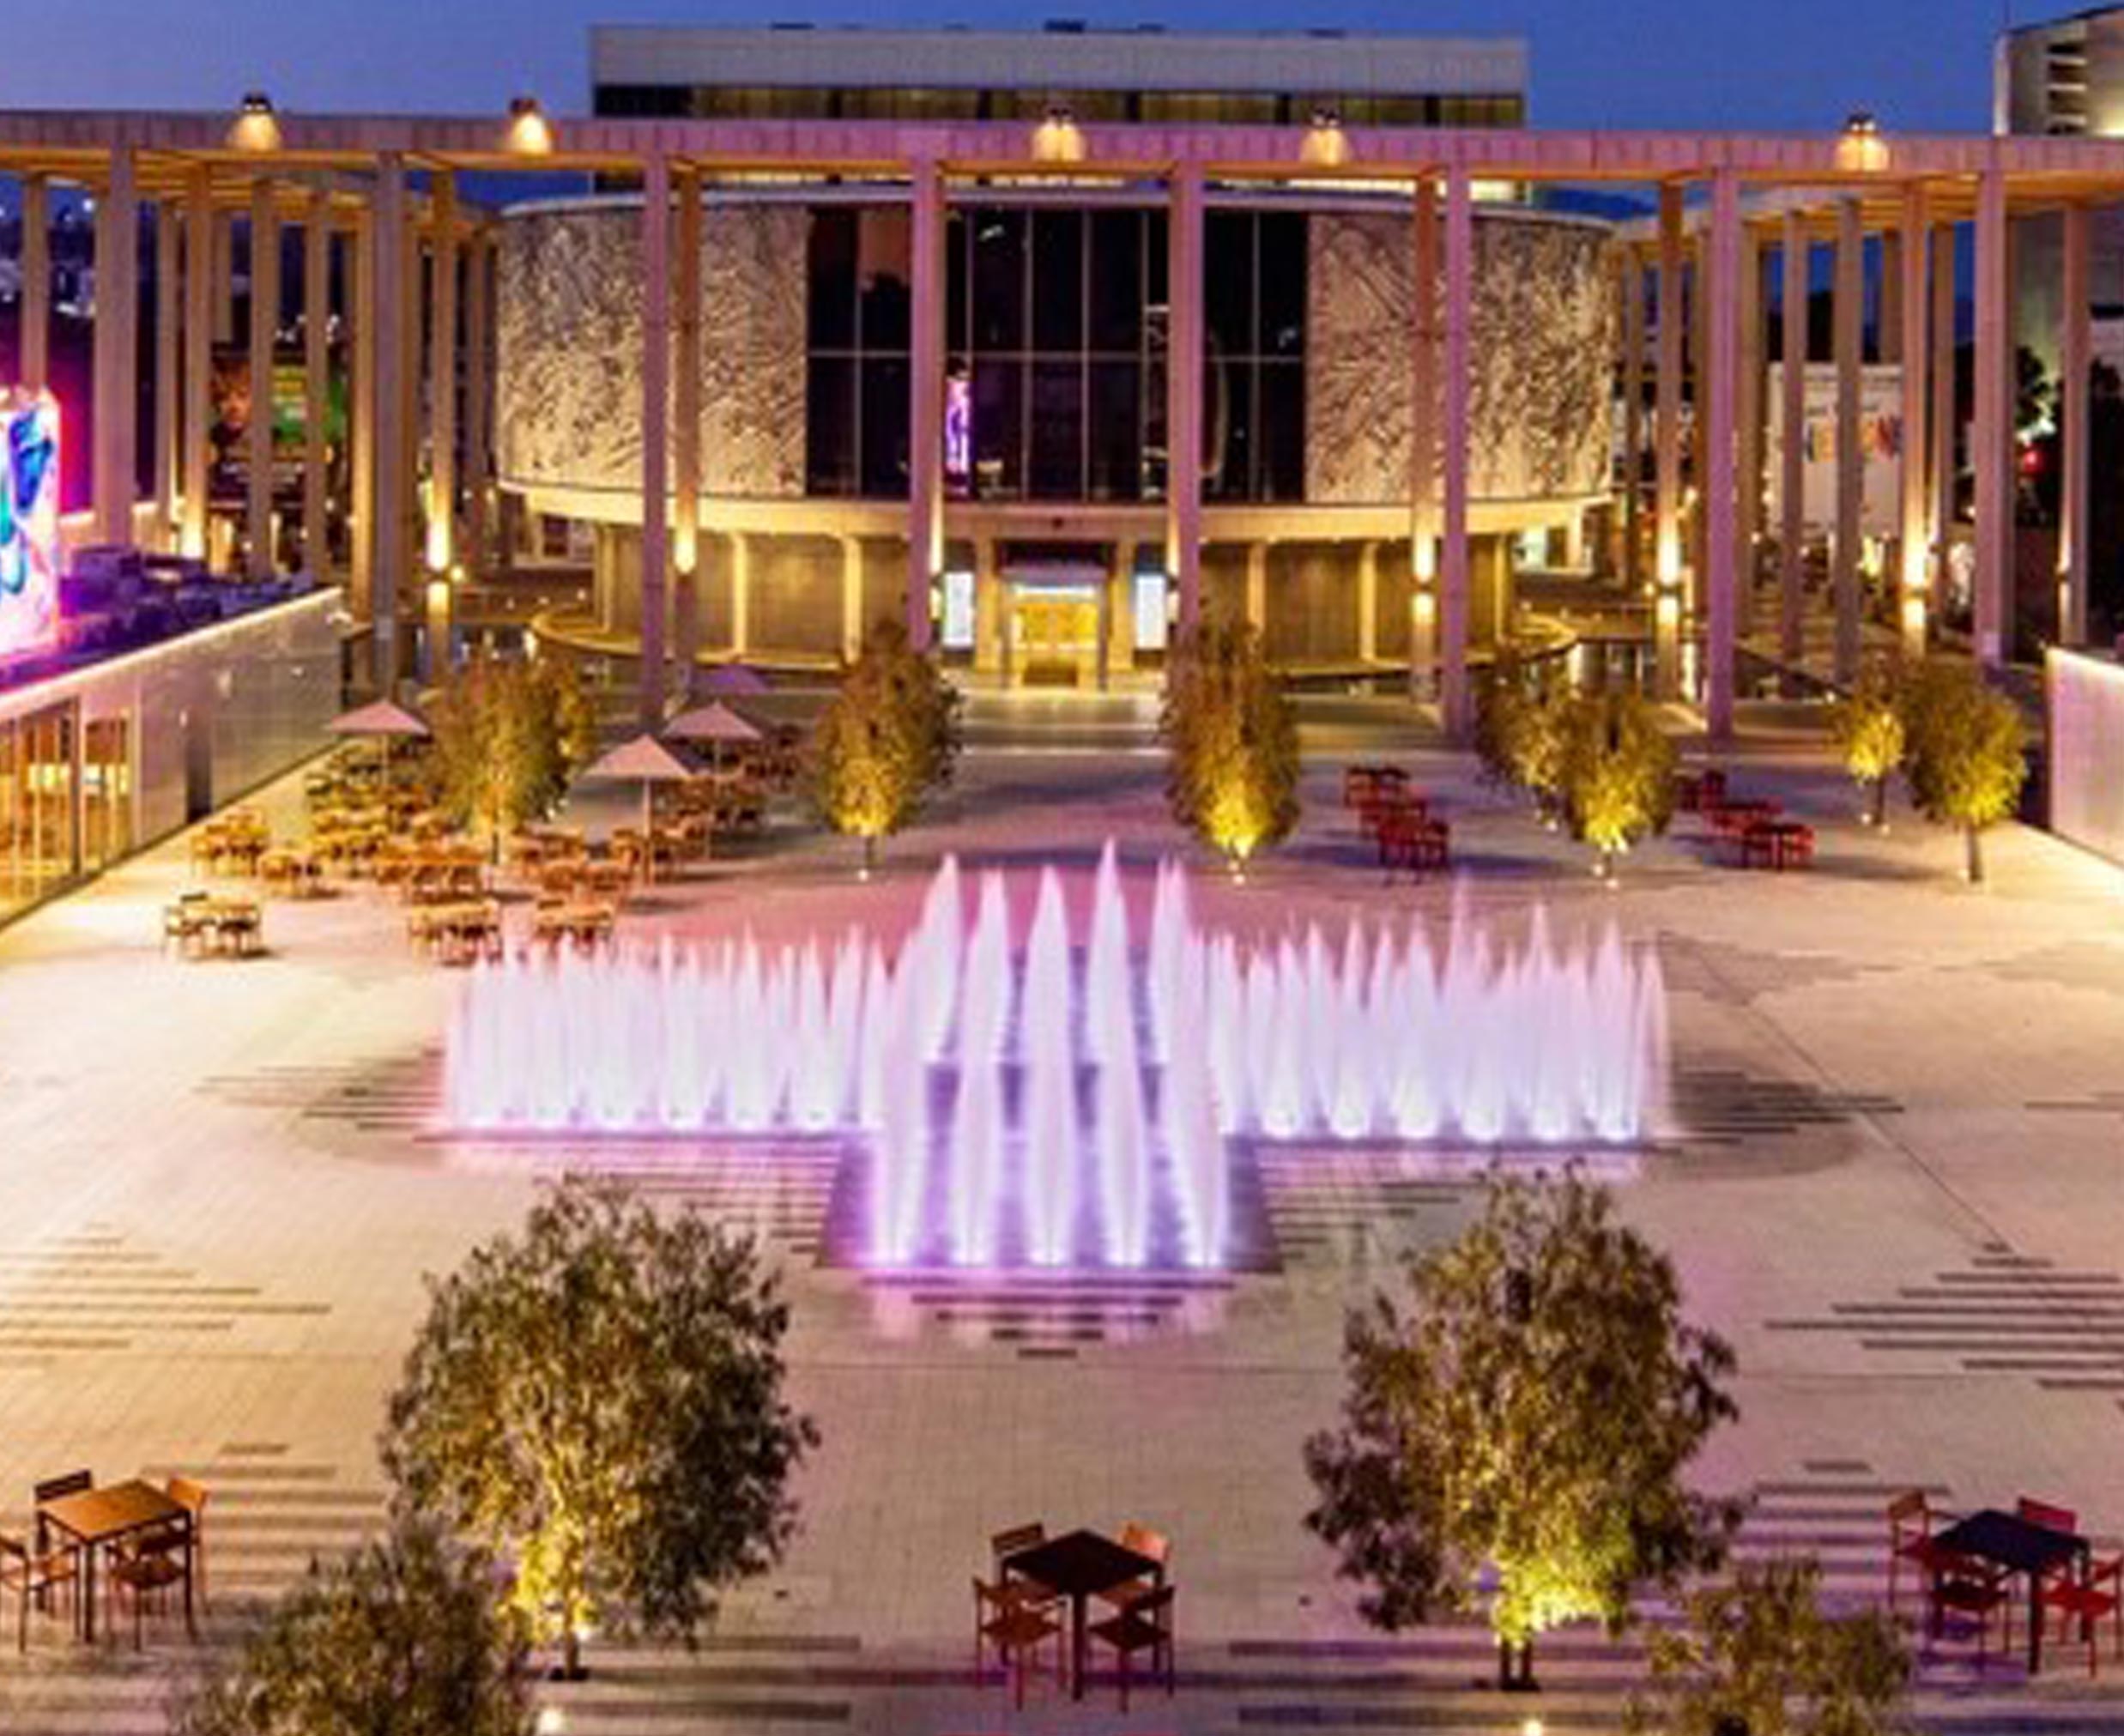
(1073, 1102)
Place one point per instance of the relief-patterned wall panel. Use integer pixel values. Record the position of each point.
(568, 329)
(1541, 344)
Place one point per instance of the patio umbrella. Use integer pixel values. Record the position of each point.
(735, 680)
(382, 720)
(715, 723)
(646, 760)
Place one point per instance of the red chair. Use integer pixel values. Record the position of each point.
(1911, 1538)
(2050, 1517)
(1965, 1587)
(2086, 1598)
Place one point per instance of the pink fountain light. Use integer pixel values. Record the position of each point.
(1073, 1105)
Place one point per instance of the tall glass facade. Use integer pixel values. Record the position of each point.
(1056, 339)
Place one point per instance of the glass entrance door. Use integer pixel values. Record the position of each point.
(1054, 633)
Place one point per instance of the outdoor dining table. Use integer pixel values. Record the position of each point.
(1080, 1564)
(2019, 1545)
(97, 1519)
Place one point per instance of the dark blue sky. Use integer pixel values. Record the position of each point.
(1775, 64)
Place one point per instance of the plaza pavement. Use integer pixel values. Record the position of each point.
(1893, 1176)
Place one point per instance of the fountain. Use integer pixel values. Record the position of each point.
(1074, 1105)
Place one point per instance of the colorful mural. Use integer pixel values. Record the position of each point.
(29, 521)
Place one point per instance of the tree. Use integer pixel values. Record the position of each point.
(598, 1403)
(1232, 741)
(1760, 1654)
(888, 737)
(1964, 756)
(402, 1638)
(1522, 727)
(1867, 726)
(1517, 1434)
(1618, 773)
(508, 736)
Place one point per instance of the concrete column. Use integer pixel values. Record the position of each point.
(265, 303)
(741, 593)
(1368, 603)
(1748, 439)
(362, 399)
(1849, 313)
(685, 430)
(192, 539)
(851, 597)
(1423, 487)
(1184, 390)
(1121, 618)
(168, 326)
(408, 363)
(1915, 568)
(1633, 416)
(1792, 454)
(1456, 694)
(384, 530)
(224, 277)
(1888, 327)
(118, 304)
(1667, 574)
(1257, 586)
(2074, 360)
(988, 608)
(1992, 430)
(1719, 420)
(36, 259)
(925, 408)
(1941, 423)
(442, 388)
(1698, 368)
(316, 322)
(479, 402)
(656, 434)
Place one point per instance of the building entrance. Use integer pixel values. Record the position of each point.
(1054, 627)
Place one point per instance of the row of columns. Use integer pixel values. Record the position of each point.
(191, 241)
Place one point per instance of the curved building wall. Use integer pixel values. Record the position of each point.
(568, 384)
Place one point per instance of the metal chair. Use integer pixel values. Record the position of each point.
(33, 1575)
(1145, 1626)
(1015, 1541)
(1005, 1622)
(1146, 1542)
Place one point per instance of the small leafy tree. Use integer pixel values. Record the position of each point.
(1232, 738)
(598, 1402)
(1964, 756)
(508, 736)
(404, 1637)
(888, 737)
(1515, 1435)
(1522, 731)
(1760, 1654)
(1868, 729)
(1618, 773)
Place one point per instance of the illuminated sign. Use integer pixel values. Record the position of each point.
(1150, 611)
(958, 428)
(29, 521)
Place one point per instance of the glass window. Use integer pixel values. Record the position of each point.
(830, 427)
(884, 423)
(833, 265)
(1280, 459)
(999, 429)
(106, 792)
(999, 279)
(884, 262)
(1228, 281)
(1228, 431)
(1058, 281)
(1116, 442)
(1117, 272)
(957, 269)
(1057, 467)
(1281, 249)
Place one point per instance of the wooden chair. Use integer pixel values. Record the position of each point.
(1144, 1541)
(1145, 1626)
(192, 1497)
(56, 1489)
(1004, 1623)
(2086, 1598)
(33, 1575)
(143, 1573)
(1004, 1545)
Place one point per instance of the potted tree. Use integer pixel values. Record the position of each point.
(1868, 729)
(1618, 775)
(1964, 754)
(1231, 742)
(888, 737)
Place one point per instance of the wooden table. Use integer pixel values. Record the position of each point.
(2019, 1545)
(1781, 844)
(96, 1519)
(1082, 1565)
(586, 924)
(238, 920)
